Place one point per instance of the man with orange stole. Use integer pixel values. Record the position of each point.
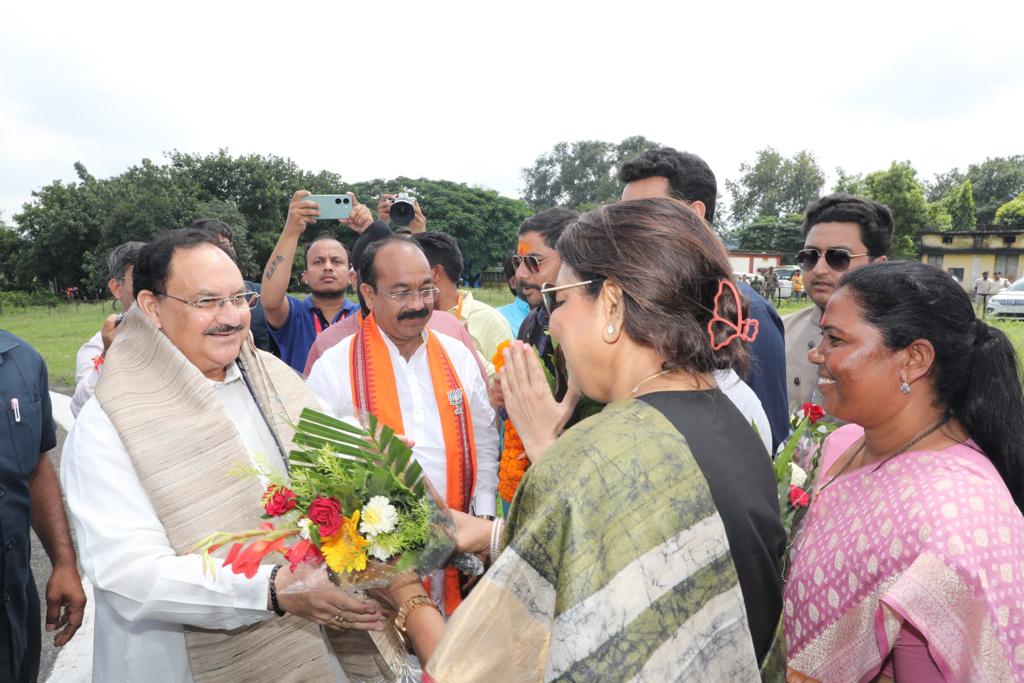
(424, 385)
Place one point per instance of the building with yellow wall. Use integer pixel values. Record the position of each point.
(969, 254)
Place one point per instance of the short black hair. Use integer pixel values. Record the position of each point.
(217, 227)
(442, 250)
(549, 223)
(320, 238)
(874, 219)
(122, 256)
(367, 265)
(153, 267)
(689, 177)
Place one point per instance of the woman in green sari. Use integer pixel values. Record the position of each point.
(642, 543)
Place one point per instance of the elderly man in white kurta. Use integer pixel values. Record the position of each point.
(424, 385)
(183, 398)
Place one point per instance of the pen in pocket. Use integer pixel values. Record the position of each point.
(17, 409)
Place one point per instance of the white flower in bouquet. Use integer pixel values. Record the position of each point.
(304, 524)
(798, 475)
(379, 516)
(379, 551)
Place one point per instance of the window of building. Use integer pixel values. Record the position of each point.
(935, 260)
(1006, 264)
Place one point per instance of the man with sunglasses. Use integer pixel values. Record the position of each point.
(841, 233)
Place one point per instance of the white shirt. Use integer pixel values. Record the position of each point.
(145, 591)
(744, 398)
(86, 372)
(331, 381)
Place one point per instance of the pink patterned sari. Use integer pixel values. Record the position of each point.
(932, 538)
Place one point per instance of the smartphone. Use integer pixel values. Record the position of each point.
(333, 207)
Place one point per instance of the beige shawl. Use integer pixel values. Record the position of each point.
(183, 443)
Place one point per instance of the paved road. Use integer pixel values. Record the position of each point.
(73, 662)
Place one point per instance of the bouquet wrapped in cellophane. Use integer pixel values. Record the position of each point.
(356, 510)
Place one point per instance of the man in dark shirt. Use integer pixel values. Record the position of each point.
(665, 172)
(29, 492)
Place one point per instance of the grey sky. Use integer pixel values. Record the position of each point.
(473, 92)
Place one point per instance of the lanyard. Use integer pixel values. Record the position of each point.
(317, 323)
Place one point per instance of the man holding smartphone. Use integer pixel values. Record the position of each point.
(295, 323)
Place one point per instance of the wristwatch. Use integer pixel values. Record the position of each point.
(408, 606)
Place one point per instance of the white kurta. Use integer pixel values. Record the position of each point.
(86, 372)
(145, 592)
(331, 381)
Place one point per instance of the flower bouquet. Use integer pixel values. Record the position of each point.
(356, 504)
(796, 463)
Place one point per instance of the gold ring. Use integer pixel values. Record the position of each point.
(338, 618)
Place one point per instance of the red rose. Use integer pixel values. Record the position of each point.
(303, 551)
(813, 412)
(798, 498)
(326, 514)
(278, 500)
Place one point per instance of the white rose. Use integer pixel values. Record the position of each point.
(797, 475)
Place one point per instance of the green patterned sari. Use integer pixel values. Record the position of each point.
(616, 568)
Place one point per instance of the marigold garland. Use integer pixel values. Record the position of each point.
(514, 462)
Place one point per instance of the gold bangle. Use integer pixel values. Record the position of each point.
(408, 606)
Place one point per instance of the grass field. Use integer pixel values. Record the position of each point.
(58, 332)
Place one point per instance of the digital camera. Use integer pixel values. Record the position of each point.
(403, 210)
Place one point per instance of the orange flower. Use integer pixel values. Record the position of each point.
(499, 357)
(514, 464)
(345, 551)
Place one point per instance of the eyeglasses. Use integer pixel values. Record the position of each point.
(216, 303)
(837, 259)
(547, 292)
(427, 294)
(532, 262)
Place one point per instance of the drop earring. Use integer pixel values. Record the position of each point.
(905, 388)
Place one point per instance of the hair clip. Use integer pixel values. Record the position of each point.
(744, 328)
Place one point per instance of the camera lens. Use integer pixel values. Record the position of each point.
(337, 200)
(402, 213)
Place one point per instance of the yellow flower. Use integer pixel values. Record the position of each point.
(344, 551)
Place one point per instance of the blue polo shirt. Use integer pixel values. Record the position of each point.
(515, 313)
(26, 432)
(304, 323)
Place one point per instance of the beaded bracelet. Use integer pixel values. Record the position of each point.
(273, 592)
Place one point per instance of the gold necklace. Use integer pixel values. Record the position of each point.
(648, 379)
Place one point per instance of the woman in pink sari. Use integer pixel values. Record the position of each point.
(909, 564)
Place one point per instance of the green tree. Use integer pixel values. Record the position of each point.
(996, 181)
(943, 185)
(1012, 212)
(774, 185)
(960, 205)
(938, 217)
(772, 233)
(900, 190)
(15, 270)
(580, 175)
(849, 183)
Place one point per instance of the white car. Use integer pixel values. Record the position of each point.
(1009, 302)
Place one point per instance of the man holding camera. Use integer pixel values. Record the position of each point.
(296, 323)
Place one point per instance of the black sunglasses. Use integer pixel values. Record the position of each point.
(532, 262)
(837, 259)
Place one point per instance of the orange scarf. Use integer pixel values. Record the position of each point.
(374, 391)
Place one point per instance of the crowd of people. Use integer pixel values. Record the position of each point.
(644, 541)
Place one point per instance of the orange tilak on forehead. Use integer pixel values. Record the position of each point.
(523, 249)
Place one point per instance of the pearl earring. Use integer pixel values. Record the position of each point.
(611, 329)
(905, 388)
